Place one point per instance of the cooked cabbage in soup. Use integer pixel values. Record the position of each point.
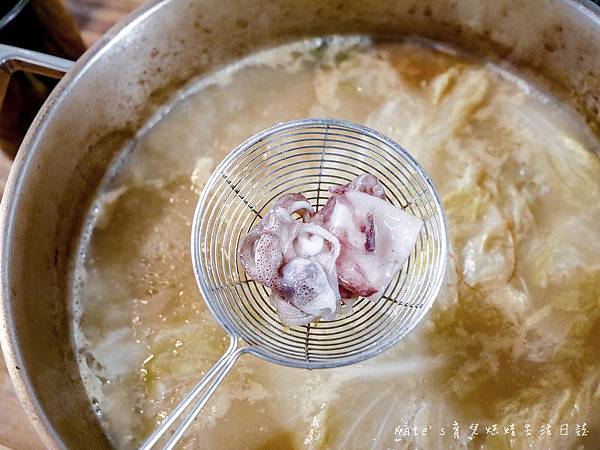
(507, 358)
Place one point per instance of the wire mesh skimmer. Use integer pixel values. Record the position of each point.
(307, 157)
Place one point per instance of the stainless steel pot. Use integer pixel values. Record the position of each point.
(115, 87)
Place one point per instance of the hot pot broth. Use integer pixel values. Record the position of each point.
(510, 340)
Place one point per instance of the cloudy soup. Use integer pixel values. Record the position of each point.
(508, 357)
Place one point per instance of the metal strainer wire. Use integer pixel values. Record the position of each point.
(306, 156)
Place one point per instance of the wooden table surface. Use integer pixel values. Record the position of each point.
(94, 17)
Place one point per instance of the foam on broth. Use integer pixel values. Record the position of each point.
(512, 337)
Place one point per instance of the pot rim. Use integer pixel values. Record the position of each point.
(18, 175)
(9, 206)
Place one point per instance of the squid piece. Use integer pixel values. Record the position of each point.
(367, 183)
(376, 237)
(352, 248)
(296, 260)
(305, 287)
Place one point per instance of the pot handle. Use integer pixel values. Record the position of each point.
(13, 59)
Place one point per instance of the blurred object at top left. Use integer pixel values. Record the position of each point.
(41, 25)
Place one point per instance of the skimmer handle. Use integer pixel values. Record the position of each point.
(196, 398)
